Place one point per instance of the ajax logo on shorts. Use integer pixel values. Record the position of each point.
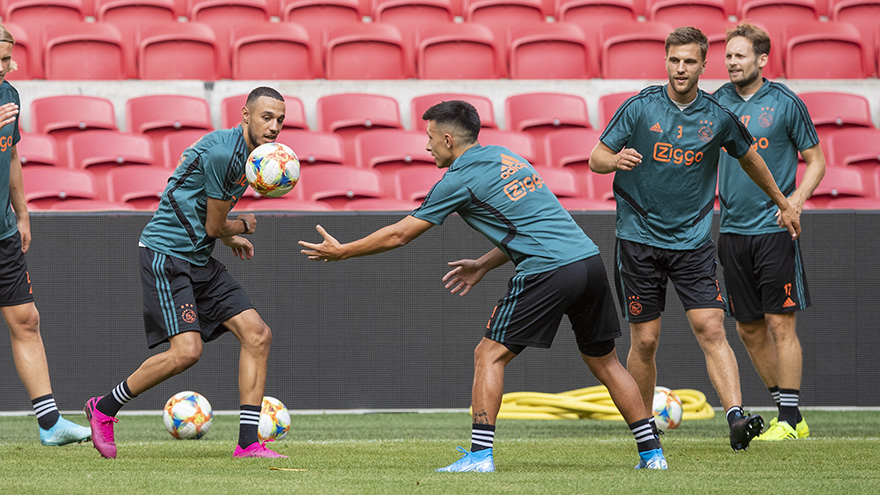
(187, 313)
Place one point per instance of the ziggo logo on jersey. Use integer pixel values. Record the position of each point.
(518, 188)
(665, 152)
(5, 142)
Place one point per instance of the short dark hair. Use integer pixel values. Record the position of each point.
(759, 38)
(260, 92)
(459, 114)
(686, 36)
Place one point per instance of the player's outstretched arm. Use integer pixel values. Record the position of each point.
(385, 239)
(787, 217)
(603, 160)
(812, 177)
(467, 273)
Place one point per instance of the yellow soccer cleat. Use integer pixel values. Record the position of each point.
(803, 431)
(779, 430)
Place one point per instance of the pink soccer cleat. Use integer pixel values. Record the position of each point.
(102, 429)
(256, 449)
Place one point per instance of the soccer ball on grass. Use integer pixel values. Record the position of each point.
(274, 420)
(187, 415)
(272, 169)
(667, 408)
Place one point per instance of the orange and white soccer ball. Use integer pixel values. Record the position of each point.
(274, 420)
(272, 169)
(187, 415)
(667, 408)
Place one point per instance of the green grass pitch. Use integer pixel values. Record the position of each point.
(397, 453)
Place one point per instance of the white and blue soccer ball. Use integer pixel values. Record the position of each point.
(272, 169)
(187, 415)
(274, 420)
(667, 408)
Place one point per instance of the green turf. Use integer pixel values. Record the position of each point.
(397, 453)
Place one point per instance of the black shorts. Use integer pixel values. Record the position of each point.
(182, 297)
(763, 274)
(641, 273)
(15, 282)
(530, 312)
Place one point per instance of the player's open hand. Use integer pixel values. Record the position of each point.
(241, 247)
(8, 113)
(328, 250)
(628, 159)
(464, 275)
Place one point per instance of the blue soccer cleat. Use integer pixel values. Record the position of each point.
(477, 462)
(64, 432)
(652, 459)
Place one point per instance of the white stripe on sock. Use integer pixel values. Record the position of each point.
(45, 407)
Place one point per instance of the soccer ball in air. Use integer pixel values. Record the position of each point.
(272, 169)
(187, 415)
(274, 420)
(667, 408)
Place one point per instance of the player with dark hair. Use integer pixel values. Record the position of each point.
(558, 272)
(16, 295)
(763, 271)
(188, 296)
(663, 145)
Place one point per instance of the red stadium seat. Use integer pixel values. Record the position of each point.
(158, 115)
(548, 51)
(380, 204)
(540, 114)
(824, 50)
(366, 51)
(696, 12)
(84, 51)
(626, 46)
(499, 15)
(830, 111)
(34, 16)
(317, 16)
(294, 118)
(282, 204)
(27, 54)
(586, 204)
(562, 182)
(101, 151)
(864, 15)
(89, 205)
(852, 203)
(482, 104)
(130, 16)
(64, 115)
(347, 114)
(716, 66)
(409, 16)
(570, 148)
(413, 183)
(224, 16)
(839, 182)
(609, 103)
(36, 149)
(457, 51)
(590, 15)
(45, 186)
(772, 16)
(178, 50)
(856, 148)
(601, 186)
(391, 149)
(174, 144)
(140, 187)
(315, 148)
(272, 50)
(338, 185)
(521, 143)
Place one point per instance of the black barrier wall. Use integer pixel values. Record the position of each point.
(381, 332)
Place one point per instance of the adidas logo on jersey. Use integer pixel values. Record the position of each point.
(656, 127)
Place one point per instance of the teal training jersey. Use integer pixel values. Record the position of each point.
(667, 200)
(781, 126)
(500, 195)
(9, 137)
(213, 167)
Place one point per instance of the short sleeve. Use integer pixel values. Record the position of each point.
(736, 139)
(445, 198)
(621, 126)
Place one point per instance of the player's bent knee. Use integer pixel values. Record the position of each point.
(597, 349)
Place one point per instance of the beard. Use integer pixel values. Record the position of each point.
(748, 79)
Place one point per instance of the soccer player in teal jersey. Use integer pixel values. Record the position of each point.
(188, 296)
(16, 295)
(763, 272)
(558, 272)
(664, 145)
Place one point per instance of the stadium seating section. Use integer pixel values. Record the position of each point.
(355, 149)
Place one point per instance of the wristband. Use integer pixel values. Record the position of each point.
(246, 226)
